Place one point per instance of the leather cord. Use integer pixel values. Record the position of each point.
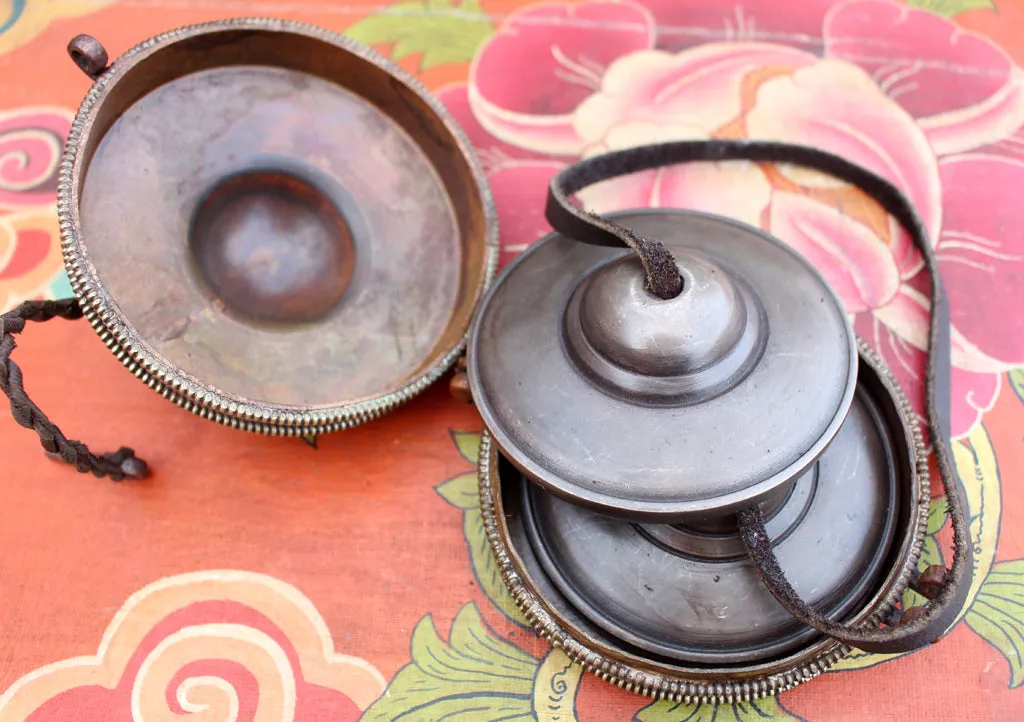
(950, 593)
(663, 277)
(117, 465)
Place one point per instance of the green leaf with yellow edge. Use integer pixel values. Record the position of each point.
(762, 710)
(952, 8)
(978, 468)
(474, 676)
(441, 31)
(997, 615)
(485, 569)
(555, 688)
(938, 513)
(1017, 382)
(463, 492)
(468, 444)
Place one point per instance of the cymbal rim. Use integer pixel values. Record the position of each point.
(651, 677)
(521, 451)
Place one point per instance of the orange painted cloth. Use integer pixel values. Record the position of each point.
(256, 578)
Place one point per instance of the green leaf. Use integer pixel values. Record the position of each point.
(439, 30)
(462, 492)
(1017, 382)
(311, 439)
(474, 676)
(938, 512)
(485, 568)
(555, 688)
(951, 8)
(997, 615)
(768, 708)
(468, 444)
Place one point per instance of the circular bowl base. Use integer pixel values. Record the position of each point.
(272, 247)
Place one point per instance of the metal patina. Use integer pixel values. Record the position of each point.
(625, 430)
(664, 408)
(695, 479)
(271, 225)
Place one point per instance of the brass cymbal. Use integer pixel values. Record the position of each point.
(697, 625)
(663, 409)
(642, 576)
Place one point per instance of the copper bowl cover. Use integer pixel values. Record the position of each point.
(271, 225)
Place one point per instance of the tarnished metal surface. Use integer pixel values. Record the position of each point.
(273, 226)
(625, 432)
(663, 409)
(694, 596)
(760, 650)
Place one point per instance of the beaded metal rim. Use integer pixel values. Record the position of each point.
(186, 391)
(650, 679)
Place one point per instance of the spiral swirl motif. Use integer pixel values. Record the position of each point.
(218, 646)
(31, 142)
(211, 698)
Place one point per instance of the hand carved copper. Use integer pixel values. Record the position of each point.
(271, 225)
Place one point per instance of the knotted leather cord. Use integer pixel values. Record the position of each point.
(118, 465)
(948, 600)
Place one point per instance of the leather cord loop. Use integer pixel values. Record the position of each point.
(117, 465)
(663, 277)
(951, 595)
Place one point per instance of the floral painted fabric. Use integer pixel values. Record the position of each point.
(267, 579)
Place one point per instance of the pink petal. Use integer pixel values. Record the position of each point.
(699, 88)
(682, 23)
(631, 191)
(493, 153)
(906, 361)
(858, 265)
(961, 86)
(908, 258)
(528, 78)
(31, 142)
(1012, 146)
(637, 190)
(981, 253)
(837, 107)
(734, 190)
(907, 315)
(520, 191)
(972, 393)
(518, 178)
(997, 117)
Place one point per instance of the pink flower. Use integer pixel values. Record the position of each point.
(527, 80)
(518, 178)
(962, 89)
(895, 89)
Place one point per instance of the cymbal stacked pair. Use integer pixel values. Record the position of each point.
(698, 493)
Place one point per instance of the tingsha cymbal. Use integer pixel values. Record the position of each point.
(271, 225)
(695, 478)
(633, 399)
